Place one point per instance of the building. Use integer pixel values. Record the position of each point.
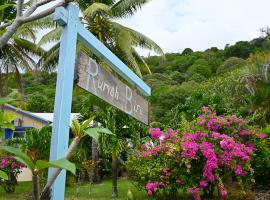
(25, 120)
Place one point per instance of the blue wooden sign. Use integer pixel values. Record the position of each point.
(73, 30)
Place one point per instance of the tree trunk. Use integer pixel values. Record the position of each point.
(72, 147)
(95, 157)
(18, 80)
(95, 172)
(1, 84)
(35, 187)
(114, 177)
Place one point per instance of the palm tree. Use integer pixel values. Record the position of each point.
(100, 18)
(112, 147)
(257, 82)
(19, 54)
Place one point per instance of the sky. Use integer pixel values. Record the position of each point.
(199, 24)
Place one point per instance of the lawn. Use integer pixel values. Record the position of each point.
(97, 192)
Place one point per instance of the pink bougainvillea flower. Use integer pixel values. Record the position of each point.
(189, 149)
(172, 133)
(223, 191)
(4, 162)
(203, 184)
(205, 109)
(164, 136)
(174, 141)
(216, 135)
(155, 133)
(202, 123)
(195, 192)
(179, 181)
(262, 136)
(153, 151)
(245, 132)
(13, 166)
(239, 171)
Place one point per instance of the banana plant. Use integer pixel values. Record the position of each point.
(38, 166)
(79, 130)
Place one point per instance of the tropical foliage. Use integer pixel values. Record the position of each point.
(100, 18)
(205, 158)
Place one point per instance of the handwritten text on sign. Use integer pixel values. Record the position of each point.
(98, 81)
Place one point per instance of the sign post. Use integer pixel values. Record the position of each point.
(134, 104)
(63, 97)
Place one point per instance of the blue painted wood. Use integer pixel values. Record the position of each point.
(100, 50)
(63, 98)
(61, 16)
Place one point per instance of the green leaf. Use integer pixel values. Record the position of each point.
(95, 8)
(61, 163)
(5, 99)
(3, 7)
(95, 132)
(3, 175)
(87, 122)
(22, 157)
(1, 133)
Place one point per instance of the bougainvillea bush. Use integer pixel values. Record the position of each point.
(10, 165)
(214, 153)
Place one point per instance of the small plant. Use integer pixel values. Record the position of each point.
(38, 167)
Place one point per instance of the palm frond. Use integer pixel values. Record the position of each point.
(52, 36)
(49, 59)
(139, 39)
(20, 59)
(141, 63)
(26, 33)
(144, 42)
(28, 47)
(125, 8)
(124, 50)
(96, 8)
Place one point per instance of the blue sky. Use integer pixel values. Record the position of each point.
(200, 24)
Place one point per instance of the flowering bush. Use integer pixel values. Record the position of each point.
(216, 152)
(10, 165)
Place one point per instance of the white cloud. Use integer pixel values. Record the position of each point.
(200, 24)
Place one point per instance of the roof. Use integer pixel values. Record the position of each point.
(46, 118)
(49, 116)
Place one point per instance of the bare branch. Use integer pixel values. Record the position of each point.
(43, 13)
(33, 8)
(22, 18)
(10, 31)
(19, 7)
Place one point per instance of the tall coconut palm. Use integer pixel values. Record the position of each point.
(19, 54)
(100, 18)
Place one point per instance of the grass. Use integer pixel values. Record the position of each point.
(97, 192)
